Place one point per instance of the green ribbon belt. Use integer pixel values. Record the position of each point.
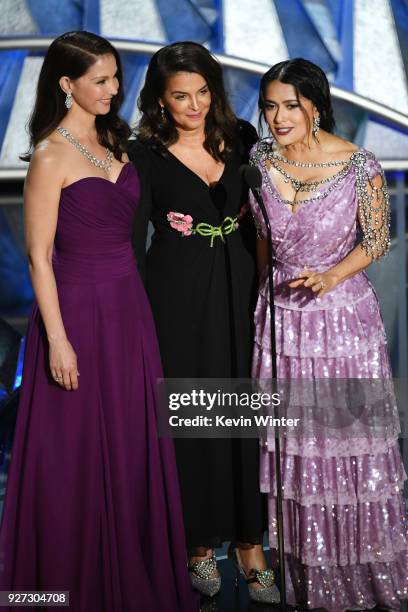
(226, 227)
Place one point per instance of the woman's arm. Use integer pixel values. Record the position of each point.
(41, 200)
(356, 261)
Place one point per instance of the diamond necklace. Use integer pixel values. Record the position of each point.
(305, 186)
(301, 164)
(104, 164)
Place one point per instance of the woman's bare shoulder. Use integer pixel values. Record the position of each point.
(339, 146)
(48, 160)
(48, 152)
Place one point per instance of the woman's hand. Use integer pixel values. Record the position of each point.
(319, 282)
(63, 364)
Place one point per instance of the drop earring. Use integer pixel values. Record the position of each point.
(68, 100)
(316, 126)
(163, 113)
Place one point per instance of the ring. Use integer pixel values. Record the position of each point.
(322, 284)
(57, 378)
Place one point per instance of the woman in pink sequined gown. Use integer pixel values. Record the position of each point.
(345, 523)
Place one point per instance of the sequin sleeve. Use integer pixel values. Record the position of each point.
(373, 206)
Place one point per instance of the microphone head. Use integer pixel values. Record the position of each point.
(252, 176)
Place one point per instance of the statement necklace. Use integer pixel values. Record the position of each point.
(103, 164)
(306, 186)
(266, 152)
(301, 164)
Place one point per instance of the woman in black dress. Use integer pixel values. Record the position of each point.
(188, 152)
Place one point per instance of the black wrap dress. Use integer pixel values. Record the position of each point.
(203, 298)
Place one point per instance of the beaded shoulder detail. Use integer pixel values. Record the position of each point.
(373, 205)
(260, 151)
(373, 199)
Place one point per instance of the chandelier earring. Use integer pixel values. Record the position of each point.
(68, 100)
(316, 125)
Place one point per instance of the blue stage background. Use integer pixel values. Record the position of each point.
(362, 45)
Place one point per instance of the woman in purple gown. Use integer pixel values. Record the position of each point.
(345, 524)
(92, 504)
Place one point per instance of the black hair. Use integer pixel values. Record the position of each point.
(71, 55)
(309, 82)
(220, 122)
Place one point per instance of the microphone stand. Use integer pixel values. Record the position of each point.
(279, 513)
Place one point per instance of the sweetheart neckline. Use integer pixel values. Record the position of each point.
(100, 178)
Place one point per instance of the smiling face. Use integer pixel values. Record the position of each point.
(187, 99)
(94, 90)
(289, 121)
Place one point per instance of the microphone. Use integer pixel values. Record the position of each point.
(253, 178)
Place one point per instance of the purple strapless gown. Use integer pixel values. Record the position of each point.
(344, 515)
(92, 503)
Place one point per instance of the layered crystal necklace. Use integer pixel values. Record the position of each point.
(301, 164)
(103, 164)
(305, 185)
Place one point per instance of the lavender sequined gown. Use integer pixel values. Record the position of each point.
(344, 515)
(92, 503)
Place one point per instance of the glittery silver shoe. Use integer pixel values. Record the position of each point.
(201, 576)
(269, 592)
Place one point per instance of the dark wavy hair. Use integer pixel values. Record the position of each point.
(309, 81)
(71, 55)
(220, 122)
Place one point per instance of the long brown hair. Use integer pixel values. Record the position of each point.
(220, 122)
(72, 54)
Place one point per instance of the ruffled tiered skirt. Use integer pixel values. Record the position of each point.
(345, 521)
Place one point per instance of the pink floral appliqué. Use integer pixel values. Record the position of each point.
(180, 222)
